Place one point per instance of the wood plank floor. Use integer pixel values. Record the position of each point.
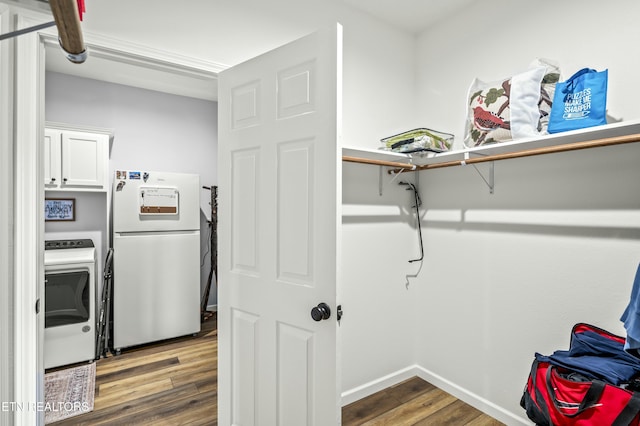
(413, 402)
(175, 383)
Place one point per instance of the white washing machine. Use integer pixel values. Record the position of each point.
(69, 302)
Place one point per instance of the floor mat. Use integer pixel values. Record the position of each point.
(69, 392)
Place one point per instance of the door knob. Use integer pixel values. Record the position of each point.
(321, 312)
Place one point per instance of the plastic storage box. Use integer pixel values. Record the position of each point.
(416, 140)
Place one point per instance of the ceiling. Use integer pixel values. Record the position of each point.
(221, 26)
(411, 15)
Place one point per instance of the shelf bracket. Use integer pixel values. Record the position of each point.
(490, 180)
(381, 179)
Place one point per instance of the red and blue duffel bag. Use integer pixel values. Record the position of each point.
(591, 384)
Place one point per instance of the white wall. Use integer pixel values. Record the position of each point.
(90, 223)
(378, 240)
(379, 63)
(152, 131)
(493, 39)
(379, 82)
(509, 274)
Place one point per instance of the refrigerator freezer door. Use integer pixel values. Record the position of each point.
(155, 201)
(156, 293)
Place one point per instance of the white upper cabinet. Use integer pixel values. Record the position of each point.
(52, 158)
(75, 160)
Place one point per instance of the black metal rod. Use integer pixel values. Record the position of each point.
(416, 198)
(213, 224)
(27, 30)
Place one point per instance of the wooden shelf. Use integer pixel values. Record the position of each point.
(593, 137)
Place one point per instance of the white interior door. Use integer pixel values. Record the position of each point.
(280, 195)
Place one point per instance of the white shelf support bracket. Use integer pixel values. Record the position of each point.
(491, 180)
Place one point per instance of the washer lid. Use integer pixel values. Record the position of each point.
(70, 256)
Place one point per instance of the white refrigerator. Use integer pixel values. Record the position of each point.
(156, 256)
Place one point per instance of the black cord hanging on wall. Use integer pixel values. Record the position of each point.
(417, 205)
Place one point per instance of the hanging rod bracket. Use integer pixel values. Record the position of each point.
(381, 185)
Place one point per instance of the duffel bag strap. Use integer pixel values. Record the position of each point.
(539, 402)
(590, 399)
(630, 411)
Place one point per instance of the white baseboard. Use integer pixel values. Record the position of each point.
(377, 385)
(212, 308)
(472, 399)
(462, 394)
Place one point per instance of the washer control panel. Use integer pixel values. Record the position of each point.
(67, 244)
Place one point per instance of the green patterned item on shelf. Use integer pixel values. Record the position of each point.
(421, 139)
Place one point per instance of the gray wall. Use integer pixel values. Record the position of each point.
(152, 131)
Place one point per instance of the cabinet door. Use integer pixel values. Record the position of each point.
(52, 152)
(83, 158)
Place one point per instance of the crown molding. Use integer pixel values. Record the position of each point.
(121, 51)
(123, 62)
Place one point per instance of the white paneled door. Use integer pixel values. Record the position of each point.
(279, 216)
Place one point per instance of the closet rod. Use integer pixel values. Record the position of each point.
(394, 164)
(574, 146)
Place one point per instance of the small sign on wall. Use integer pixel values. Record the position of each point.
(59, 209)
